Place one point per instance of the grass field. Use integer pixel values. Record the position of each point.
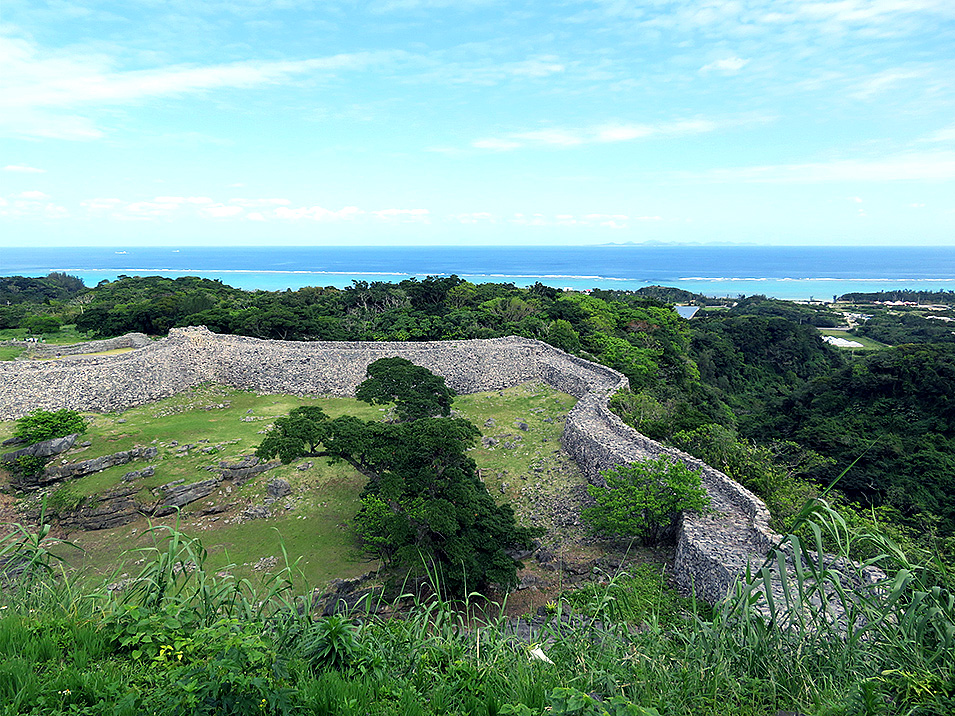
(196, 430)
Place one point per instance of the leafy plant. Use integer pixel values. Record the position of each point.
(568, 701)
(43, 425)
(27, 466)
(330, 643)
(643, 498)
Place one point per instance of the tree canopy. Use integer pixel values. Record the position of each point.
(415, 391)
(424, 506)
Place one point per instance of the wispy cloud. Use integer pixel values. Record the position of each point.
(904, 167)
(22, 169)
(945, 134)
(601, 134)
(726, 65)
(32, 195)
(317, 213)
(403, 215)
(32, 205)
(883, 81)
(479, 70)
(43, 93)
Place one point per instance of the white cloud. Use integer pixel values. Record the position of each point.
(945, 134)
(249, 203)
(600, 134)
(220, 211)
(607, 221)
(496, 144)
(883, 81)
(318, 213)
(42, 92)
(938, 166)
(145, 209)
(32, 195)
(482, 72)
(101, 204)
(540, 67)
(23, 169)
(413, 215)
(474, 217)
(727, 65)
(183, 200)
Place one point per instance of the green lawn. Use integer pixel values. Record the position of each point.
(313, 524)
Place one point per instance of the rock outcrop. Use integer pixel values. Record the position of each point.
(47, 448)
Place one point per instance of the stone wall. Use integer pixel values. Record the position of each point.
(49, 350)
(712, 550)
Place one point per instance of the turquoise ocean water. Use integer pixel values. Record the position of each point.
(782, 272)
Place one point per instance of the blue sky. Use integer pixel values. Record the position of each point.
(468, 122)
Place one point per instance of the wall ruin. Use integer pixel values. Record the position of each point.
(713, 549)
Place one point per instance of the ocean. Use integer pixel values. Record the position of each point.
(779, 271)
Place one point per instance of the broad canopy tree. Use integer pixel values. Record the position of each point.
(415, 391)
(424, 505)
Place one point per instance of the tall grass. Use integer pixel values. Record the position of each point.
(826, 639)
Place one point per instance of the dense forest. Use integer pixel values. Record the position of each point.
(751, 386)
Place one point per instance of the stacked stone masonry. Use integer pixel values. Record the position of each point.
(713, 550)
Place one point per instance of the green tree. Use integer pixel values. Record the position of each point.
(43, 425)
(298, 435)
(415, 391)
(562, 335)
(42, 324)
(642, 499)
(424, 505)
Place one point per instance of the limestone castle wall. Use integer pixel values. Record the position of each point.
(712, 549)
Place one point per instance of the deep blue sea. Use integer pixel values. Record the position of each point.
(783, 272)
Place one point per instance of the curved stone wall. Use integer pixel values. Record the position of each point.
(712, 549)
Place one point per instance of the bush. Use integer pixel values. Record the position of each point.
(43, 425)
(643, 498)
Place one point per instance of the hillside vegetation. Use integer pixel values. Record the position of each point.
(753, 371)
(224, 626)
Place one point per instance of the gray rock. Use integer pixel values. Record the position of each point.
(145, 472)
(182, 495)
(113, 509)
(256, 512)
(241, 475)
(276, 490)
(58, 473)
(47, 448)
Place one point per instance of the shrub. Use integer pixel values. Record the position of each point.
(643, 498)
(43, 425)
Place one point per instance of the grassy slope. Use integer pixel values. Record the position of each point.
(225, 425)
